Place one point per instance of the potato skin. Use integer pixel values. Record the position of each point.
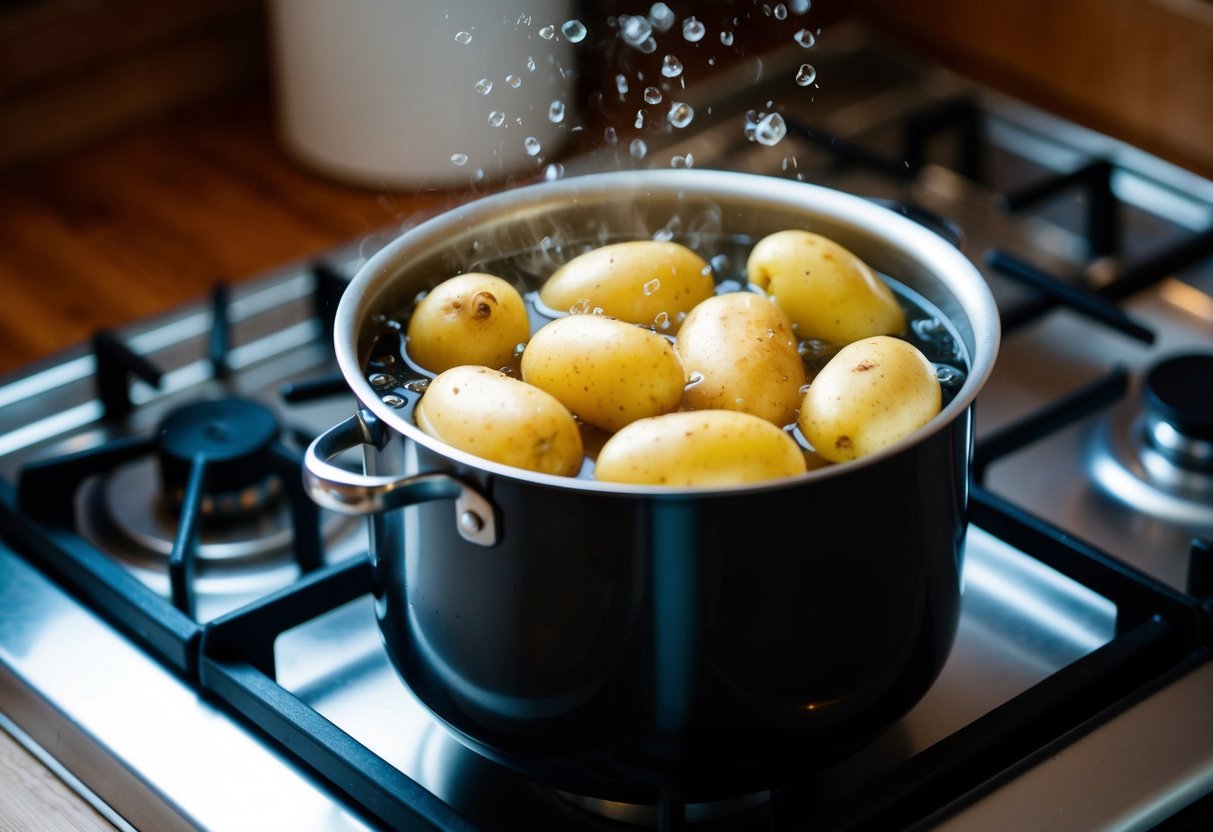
(744, 347)
(610, 373)
(871, 394)
(828, 292)
(634, 281)
(499, 418)
(472, 318)
(698, 448)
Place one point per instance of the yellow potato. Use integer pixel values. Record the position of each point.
(702, 447)
(608, 372)
(646, 282)
(743, 347)
(494, 416)
(828, 292)
(873, 393)
(469, 319)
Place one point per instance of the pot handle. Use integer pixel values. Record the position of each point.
(348, 492)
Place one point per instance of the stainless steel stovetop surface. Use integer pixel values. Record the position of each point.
(148, 744)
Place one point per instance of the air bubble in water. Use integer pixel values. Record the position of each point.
(652, 95)
(621, 84)
(460, 159)
(651, 287)
(514, 81)
(556, 112)
(662, 321)
(638, 148)
(770, 130)
(547, 32)
(680, 114)
(661, 16)
(635, 29)
(463, 38)
(693, 30)
(726, 38)
(496, 118)
(805, 38)
(806, 75)
(573, 30)
(484, 86)
(781, 12)
(671, 67)
(531, 144)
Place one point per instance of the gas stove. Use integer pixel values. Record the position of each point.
(192, 644)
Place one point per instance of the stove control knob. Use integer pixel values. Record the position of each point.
(1178, 394)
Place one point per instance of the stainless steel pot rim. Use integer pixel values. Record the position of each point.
(963, 281)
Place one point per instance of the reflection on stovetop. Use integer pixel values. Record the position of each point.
(1101, 261)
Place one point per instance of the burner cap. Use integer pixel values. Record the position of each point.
(1180, 391)
(234, 435)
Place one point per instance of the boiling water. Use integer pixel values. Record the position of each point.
(401, 383)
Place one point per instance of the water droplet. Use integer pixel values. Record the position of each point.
(638, 148)
(610, 136)
(484, 86)
(553, 171)
(621, 84)
(805, 38)
(949, 376)
(661, 16)
(687, 161)
(417, 385)
(806, 75)
(662, 321)
(381, 380)
(463, 38)
(496, 118)
(720, 265)
(804, 388)
(740, 402)
(781, 12)
(693, 380)
(680, 114)
(671, 67)
(514, 81)
(530, 64)
(547, 32)
(598, 310)
(519, 349)
(651, 287)
(648, 47)
(800, 6)
(652, 95)
(532, 146)
(634, 29)
(581, 307)
(663, 235)
(573, 30)
(726, 38)
(770, 130)
(693, 30)
(460, 159)
(639, 123)
(556, 112)
(393, 401)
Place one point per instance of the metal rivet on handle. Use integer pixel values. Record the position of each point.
(471, 522)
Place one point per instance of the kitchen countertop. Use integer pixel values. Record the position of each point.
(136, 226)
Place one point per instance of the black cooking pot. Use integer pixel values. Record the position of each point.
(615, 640)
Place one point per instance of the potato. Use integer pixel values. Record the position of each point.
(646, 282)
(873, 393)
(828, 292)
(494, 416)
(608, 372)
(743, 347)
(469, 319)
(702, 447)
